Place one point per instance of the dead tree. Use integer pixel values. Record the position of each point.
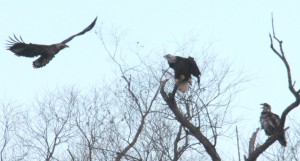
(202, 111)
(11, 147)
(137, 94)
(291, 86)
(47, 131)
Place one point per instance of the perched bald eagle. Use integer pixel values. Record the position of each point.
(46, 52)
(270, 123)
(183, 69)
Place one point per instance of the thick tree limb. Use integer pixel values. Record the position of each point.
(253, 155)
(170, 100)
(280, 53)
(252, 142)
(131, 144)
(123, 153)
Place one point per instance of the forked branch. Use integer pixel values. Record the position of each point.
(291, 83)
(280, 53)
(195, 131)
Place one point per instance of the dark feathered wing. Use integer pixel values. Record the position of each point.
(270, 123)
(275, 119)
(194, 69)
(185, 67)
(181, 69)
(46, 52)
(20, 48)
(81, 33)
(42, 61)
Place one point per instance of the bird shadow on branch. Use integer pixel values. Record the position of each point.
(281, 54)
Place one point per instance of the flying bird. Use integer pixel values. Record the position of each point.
(270, 123)
(45, 52)
(183, 69)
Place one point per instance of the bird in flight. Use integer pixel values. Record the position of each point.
(45, 52)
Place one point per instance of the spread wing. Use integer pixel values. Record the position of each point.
(81, 33)
(20, 48)
(42, 61)
(194, 68)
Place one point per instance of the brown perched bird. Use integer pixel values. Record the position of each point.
(183, 69)
(46, 52)
(270, 123)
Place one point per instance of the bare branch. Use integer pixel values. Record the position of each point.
(253, 156)
(131, 144)
(292, 106)
(170, 100)
(289, 76)
(72, 156)
(252, 142)
(238, 142)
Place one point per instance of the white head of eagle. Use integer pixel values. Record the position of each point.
(270, 123)
(183, 69)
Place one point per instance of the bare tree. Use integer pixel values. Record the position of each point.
(92, 120)
(126, 119)
(144, 78)
(293, 151)
(137, 96)
(170, 100)
(49, 128)
(88, 124)
(10, 145)
(204, 110)
(291, 86)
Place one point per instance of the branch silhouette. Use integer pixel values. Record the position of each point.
(281, 54)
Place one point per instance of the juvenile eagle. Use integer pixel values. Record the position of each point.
(183, 69)
(270, 123)
(46, 52)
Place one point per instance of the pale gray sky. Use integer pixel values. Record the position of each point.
(238, 31)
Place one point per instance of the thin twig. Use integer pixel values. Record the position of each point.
(253, 155)
(237, 142)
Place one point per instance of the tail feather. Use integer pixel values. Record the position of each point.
(282, 140)
(198, 80)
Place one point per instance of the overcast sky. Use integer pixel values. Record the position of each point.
(237, 30)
